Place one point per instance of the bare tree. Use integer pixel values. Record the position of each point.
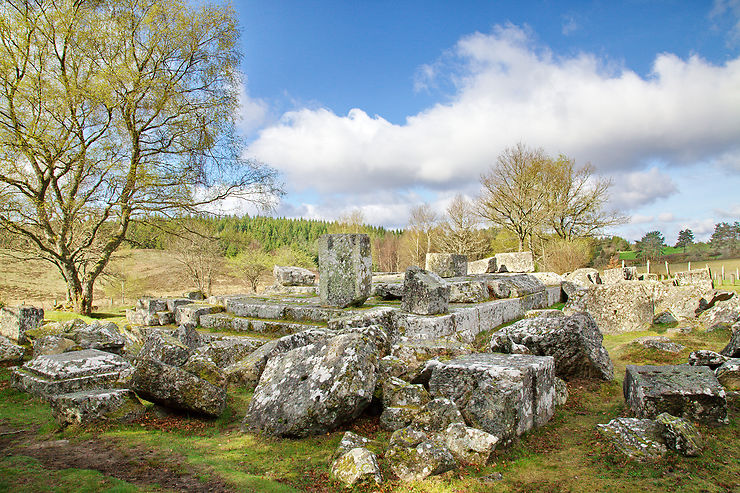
(110, 111)
(578, 200)
(197, 250)
(460, 233)
(422, 221)
(515, 192)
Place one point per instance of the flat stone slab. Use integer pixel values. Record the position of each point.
(297, 310)
(16, 320)
(639, 439)
(503, 394)
(80, 408)
(70, 372)
(690, 392)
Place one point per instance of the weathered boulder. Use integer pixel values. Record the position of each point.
(424, 293)
(356, 465)
(469, 445)
(177, 388)
(660, 343)
(681, 302)
(16, 320)
(483, 266)
(680, 435)
(514, 262)
(732, 350)
(585, 276)
(293, 276)
(468, 291)
(664, 317)
(227, 350)
(189, 337)
(549, 278)
(415, 353)
(691, 392)
(53, 344)
(350, 441)
(395, 418)
(611, 276)
(413, 455)
(574, 342)
(436, 415)
(81, 408)
(561, 392)
(723, 314)
(387, 290)
(547, 313)
(106, 337)
(195, 295)
(521, 285)
(639, 439)
(447, 264)
(503, 394)
(345, 269)
(9, 351)
(163, 347)
(204, 367)
(699, 277)
(315, 388)
(704, 357)
(246, 372)
(400, 393)
(728, 374)
(71, 372)
(190, 314)
(622, 307)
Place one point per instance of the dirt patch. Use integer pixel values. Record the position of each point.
(137, 465)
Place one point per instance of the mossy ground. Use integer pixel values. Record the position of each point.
(565, 455)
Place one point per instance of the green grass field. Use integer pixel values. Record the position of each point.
(181, 453)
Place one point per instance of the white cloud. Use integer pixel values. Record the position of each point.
(509, 91)
(252, 112)
(569, 25)
(666, 217)
(728, 10)
(640, 219)
(639, 188)
(732, 212)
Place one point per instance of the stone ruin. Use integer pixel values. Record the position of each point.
(315, 363)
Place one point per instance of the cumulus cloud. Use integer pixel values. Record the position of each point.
(252, 112)
(510, 90)
(639, 188)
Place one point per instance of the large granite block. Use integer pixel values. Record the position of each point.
(15, 321)
(424, 292)
(515, 262)
(447, 264)
(691, 392)
(502, 394)
(70, 372)
(345, 269)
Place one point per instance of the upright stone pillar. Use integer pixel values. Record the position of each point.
(16, 320)
(447, 264)
(345, 269)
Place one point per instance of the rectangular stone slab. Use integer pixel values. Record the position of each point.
(690, 392)
(70, 372)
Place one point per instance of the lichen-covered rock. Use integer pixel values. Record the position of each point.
(81, 408)
(700, 277)
(9, 351)
(246, 372)
(704, 357)
(15, 321)
(316, 388)
(226, 351)
(217, 321)
(503, 394)
(732, 350)
(483, 266)
(561, 392)
(691, 392)
(415, 353)
(469, 445)
(357, 465)
(723, 314)
(106, 337)
(413, 455)
(611, 276)
(514, 262)
(387, 290)
(424, 293)
(468, 291)
(53, 344)
(728, 374)
(375, 333)
(165, 348)
(203, 367)
(188, 336)
(681, 302)
(293, 276)
(549, 278)
(680, 435)
(350, 441)
(437, 415)
(190, 314)
(400, 393)
(498, 288)
(502, 343)
(447, 264)
(177, 388)
(551, 313)
(345, 269)
(585, 276)
(71, 372)
(395, 418)
(639, 439)
(195, 295)
(664, 317)
(575, 343)
(659, 343)
(391, 366)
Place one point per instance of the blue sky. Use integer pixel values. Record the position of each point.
(380, 105)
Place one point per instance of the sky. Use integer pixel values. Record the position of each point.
(384, 105)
